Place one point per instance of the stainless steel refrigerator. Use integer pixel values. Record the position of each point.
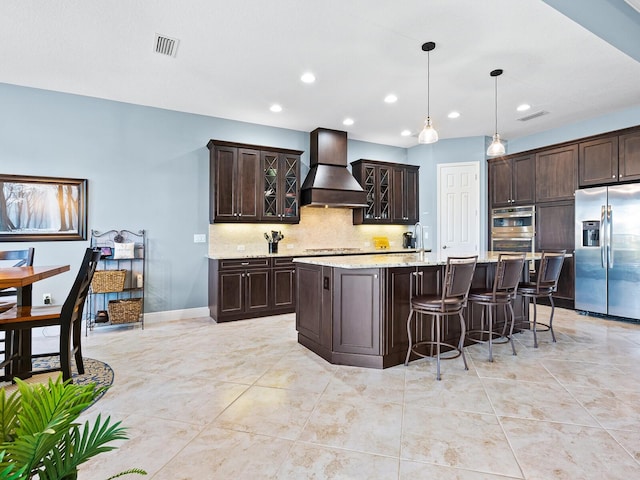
(607, 250)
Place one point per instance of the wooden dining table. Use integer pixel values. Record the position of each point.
(23, 278)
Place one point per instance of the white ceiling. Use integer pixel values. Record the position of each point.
(237, 57)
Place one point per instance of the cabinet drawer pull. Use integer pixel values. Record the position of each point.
(244, 263)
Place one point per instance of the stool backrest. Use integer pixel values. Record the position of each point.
(24, 257)
(550, 267)
(508, 272)
(458, 276)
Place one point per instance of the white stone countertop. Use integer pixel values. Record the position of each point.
(391, 260)
(315, 252)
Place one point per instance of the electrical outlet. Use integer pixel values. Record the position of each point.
(46, 298)
(290, 246)
(199, 238)
(241, 248)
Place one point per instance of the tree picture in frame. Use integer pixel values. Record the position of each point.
(42, 208)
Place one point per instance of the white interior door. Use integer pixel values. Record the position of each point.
(458, 201)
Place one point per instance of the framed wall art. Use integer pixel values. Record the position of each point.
(42, 208)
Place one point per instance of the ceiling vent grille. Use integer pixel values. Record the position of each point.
(533, 115)
(165, 45)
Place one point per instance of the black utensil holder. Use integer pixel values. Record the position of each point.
(273, 247)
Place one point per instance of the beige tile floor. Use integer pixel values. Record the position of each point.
(243, 400)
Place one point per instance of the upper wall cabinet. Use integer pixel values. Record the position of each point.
(392, 192)
(610, 159)
(281, 175)
(556, 177)
(405, 194)
(252, 184)
(512, 180)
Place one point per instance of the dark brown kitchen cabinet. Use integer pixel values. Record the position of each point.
(281, 192)
(376, 181)
(598, 161)
(356, 311)
(392, 192)
(253, 184)
(314, 307)
(283, 298)
(251, 287)
(554, 231)
(401, 284)
(404, 194)
(512, 181)
(629, 156)
(234, 184)
(556, 173)
(610, 160)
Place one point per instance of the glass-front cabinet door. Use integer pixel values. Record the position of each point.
(271, 186)
(281, 184)
(291, 164)
(384, 175)
(376, 185)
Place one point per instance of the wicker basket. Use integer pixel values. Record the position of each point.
(126, 310)
(108, 281)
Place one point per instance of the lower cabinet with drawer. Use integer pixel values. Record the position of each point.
(250, 287)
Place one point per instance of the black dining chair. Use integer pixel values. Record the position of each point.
(68, 317)
(505, 284)
(8, 296)
(545, 286)
(455, 291)
(15, 258)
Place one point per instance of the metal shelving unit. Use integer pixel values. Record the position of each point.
(123, 304)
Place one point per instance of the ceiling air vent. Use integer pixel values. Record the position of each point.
(165, 45)
(533, 115)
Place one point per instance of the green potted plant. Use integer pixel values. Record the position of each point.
(40, 436)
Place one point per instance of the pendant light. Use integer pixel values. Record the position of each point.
(428, 133)
(496, 148)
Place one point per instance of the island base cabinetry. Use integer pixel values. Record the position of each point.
(359, 316)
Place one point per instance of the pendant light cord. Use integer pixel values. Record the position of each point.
(496, 100)
(428, 84)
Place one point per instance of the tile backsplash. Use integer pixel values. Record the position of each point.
(318, 228)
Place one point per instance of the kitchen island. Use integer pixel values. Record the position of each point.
(352, 310)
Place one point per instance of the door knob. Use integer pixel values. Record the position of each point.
(444, 247)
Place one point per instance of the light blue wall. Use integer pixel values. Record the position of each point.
(147, 168)
(614, 121)
(457, 150)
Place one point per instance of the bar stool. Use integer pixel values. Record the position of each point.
(505, 284)
(545, 286)
(455, 291)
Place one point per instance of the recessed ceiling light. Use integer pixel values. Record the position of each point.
(275, 108)
(524, 107)
(347, 121)
(405, 133)
(308, 77)
(453, 114)
(391, 98)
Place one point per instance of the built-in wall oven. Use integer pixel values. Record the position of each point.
(513, 229)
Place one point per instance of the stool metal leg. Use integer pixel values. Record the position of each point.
(438, 345)
(553, 307)
(513, 321)
(463, 332)
(406, 360)
(535, 322)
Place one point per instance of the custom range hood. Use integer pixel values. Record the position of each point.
(329, 183)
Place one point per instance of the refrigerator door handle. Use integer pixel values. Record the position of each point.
(603, 236)
(609, 236)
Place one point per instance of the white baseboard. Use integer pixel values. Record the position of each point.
(176, 314)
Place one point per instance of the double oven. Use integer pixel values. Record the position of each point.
(513, 229)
